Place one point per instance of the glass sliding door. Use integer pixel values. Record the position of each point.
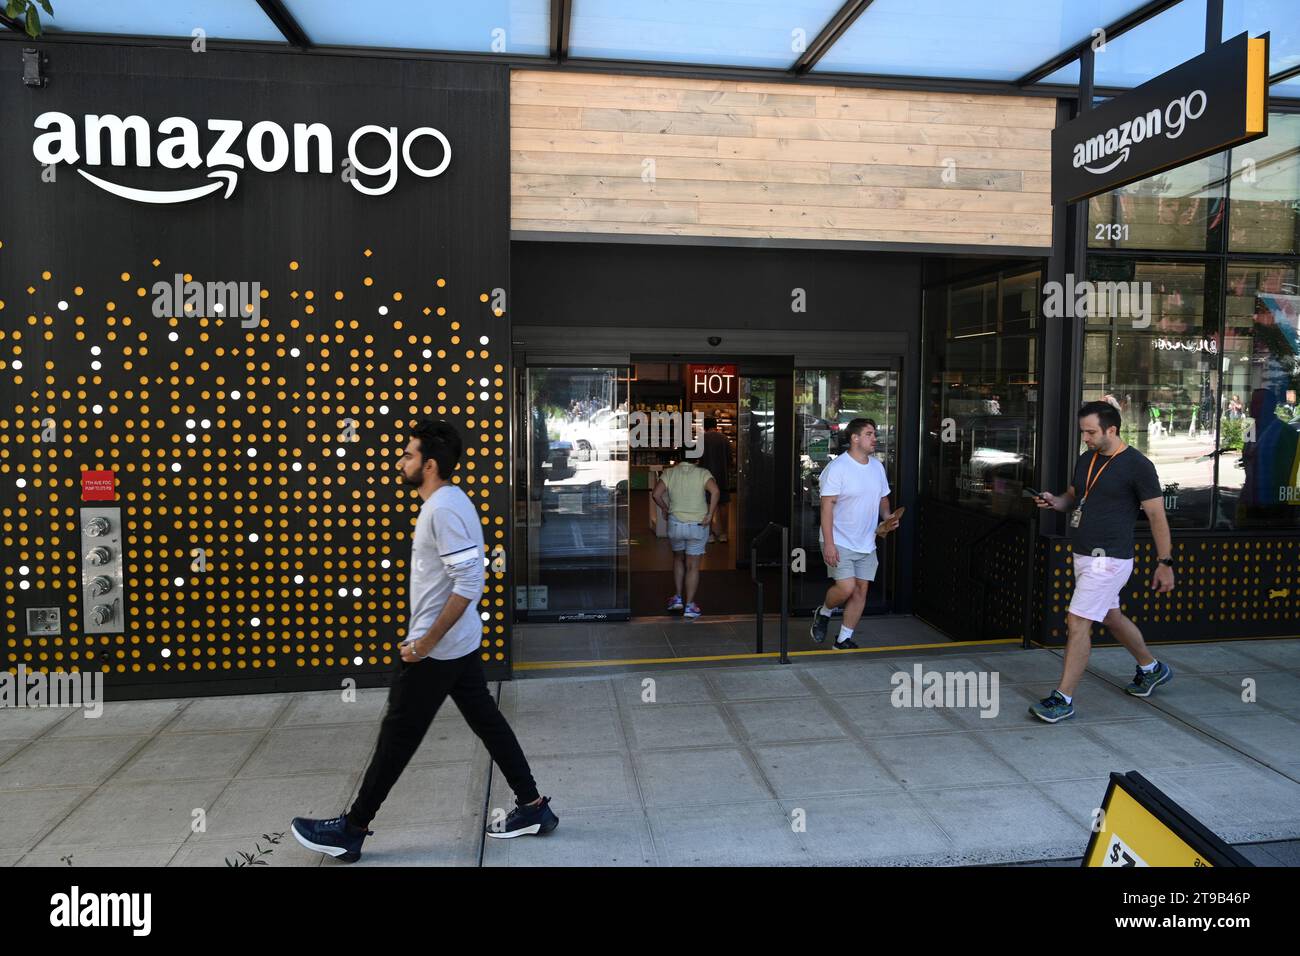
(825, 402)
(574, 433)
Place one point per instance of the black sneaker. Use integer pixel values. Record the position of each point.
(846, 645)
(526, 821)
(818, 629)
(336, 837)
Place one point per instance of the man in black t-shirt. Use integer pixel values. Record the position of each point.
(1112, 481)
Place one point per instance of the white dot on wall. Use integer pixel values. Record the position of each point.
(205, 423)
(383, 409)
(254, 536)
(23, 570)
(358, 661)
(255, 622)
(252, 452)
(18, 363)
(340, 451)
(63, 305)
(384, 563)
(176, 466)
(24, 585)
(191, 438)
(343, 592)
(383, 310)
(218, 307)
(428, 353)
(173, 336)
(189, 423)
(97, 409)
(484, 615)
(179, 582)
(95, 365)
(482, 340)
(94, 350)
(483, 382)
(21, 482)
(166, 652)
(235, 395)
(297, 466)
(356, 592)
(297, 579)
(483, 396)
(294, 352)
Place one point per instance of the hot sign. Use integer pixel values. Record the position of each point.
(713, 382)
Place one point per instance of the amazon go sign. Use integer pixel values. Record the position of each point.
(227, 148)
(712, 382)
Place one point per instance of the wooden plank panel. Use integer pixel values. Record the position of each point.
(840, 217)
(903, 154)
(685, 167)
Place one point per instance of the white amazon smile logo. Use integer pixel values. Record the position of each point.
(266, 144)
(1119, 140)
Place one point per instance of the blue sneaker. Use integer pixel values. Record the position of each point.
(336, 837)
(1144, 683)
(675, 603)
(1052, 708)
(526, 821)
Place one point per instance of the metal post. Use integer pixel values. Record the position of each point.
(785, 595)
(758, 614)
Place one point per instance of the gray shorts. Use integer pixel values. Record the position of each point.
(853, 564)
(688, 536)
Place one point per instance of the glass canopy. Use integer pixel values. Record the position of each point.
(995, 42)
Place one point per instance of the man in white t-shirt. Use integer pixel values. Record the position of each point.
(854, 510)
(440, 657)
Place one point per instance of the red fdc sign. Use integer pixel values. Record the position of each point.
(98, 486)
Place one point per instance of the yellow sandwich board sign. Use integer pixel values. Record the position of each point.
(1140, 826)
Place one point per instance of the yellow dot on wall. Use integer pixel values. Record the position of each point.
(482, 296)
(46, 275)
(126, 277)
(442, 310)
(397, 297)
(367, 281)
(338, 295)
(441, 283)
(293, 265)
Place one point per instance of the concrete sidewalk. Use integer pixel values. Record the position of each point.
(714, 771)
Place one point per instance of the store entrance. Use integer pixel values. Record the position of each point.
(742, 417)
(593, 440)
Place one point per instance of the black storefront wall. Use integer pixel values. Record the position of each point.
(375, 311)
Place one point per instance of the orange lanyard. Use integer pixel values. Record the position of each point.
(1090, 481)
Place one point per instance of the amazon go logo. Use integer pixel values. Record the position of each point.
(268, 146)
(1092, 154)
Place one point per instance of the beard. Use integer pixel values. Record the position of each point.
(415, 482)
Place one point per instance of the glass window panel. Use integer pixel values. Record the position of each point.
(1181, 208)
(486, 26)
(957, 38)
(231, 20)
(766, 33)
(575, 429)
(1260, 428)
(1278, 18)
(1265, 191)
(1159, 364)
(981, 442)
(1149, 49)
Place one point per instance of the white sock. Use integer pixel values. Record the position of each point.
(844, 635)
(825, 611)
(1068, 698)
(1148, 668)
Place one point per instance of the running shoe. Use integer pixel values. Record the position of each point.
(1052, 708)
(848, 644)
(818, 629)
(336, 837)
(1144, 683)
(692, 610)
(526, 821)
(675, 603)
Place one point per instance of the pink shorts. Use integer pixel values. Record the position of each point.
(1097, 583)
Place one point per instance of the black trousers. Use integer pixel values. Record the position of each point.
(413, 700)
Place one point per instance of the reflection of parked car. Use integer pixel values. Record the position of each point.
(557, 466)
(604, 437)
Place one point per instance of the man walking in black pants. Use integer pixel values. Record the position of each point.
(440, 657)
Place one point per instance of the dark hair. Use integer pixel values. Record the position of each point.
(710, 423)
(441, 442)
(855, 426)
(1107, 414)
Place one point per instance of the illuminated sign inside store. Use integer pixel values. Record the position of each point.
(716, 382)
(1211, 102)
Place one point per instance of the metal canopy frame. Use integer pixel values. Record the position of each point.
(801, 70)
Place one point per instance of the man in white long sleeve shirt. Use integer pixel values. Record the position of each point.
(440, 657)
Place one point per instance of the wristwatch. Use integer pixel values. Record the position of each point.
(1167, 562)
